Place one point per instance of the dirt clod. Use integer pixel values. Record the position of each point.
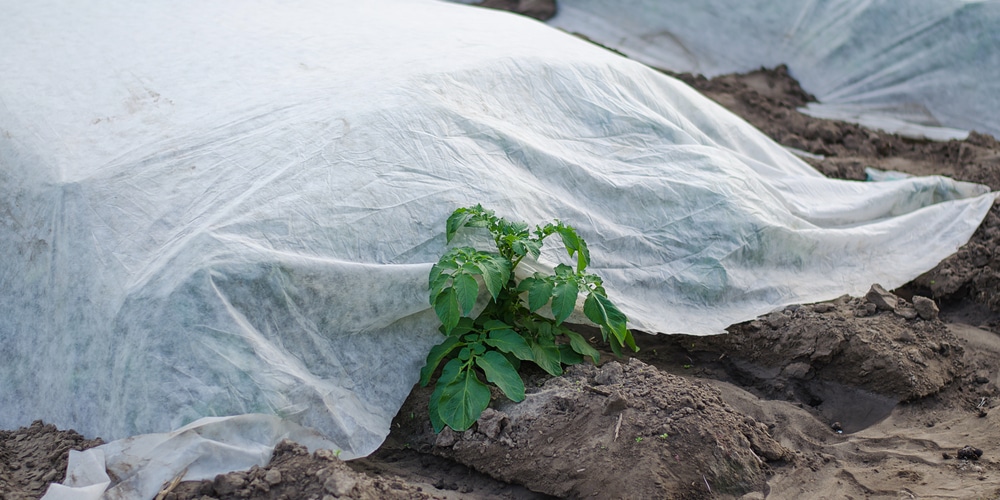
(969, 453)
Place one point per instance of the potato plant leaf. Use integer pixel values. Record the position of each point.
(501, 373)
(580, 345)
(546, 355)
(510, 341)
(466, 291)
(435, 357)
(564, 300)
(447, 308)
(463, 399)
(539, 294)
(568, 356)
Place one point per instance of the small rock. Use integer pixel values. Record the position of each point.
(776, 320)
(926, 308)
(610, 374)
(883, 300)
(866, 310)
(323, 473)
(339, 484)
(945, 455)
(615, 404)
(823, 307)
(969, 453)
(446, 438)
(839, 429)
(324, 454)
(982, 377)
(289, 446)
(50, 476)
(491, 423)
(945, 349)
(906, 312)
(227, 484)
(796, 370)
(273, 477)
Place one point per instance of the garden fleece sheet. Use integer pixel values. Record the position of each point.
(231, 207)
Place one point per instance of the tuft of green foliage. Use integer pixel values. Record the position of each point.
(510, 329)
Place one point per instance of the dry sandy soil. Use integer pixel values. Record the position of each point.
(892, 395)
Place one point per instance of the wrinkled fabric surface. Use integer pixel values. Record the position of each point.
(927, 68)
(231, 207)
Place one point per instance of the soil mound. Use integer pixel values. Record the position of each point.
(623, 427)
(34, 456)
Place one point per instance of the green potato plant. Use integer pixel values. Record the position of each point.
(509, 330)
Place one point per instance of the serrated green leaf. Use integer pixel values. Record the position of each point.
(594, 310)
(575, 245)
(503, 265)
(582, 257)
(437, 286)
(546, 355)
(612, 321)
(563, 270)
(501, 373)
(580, 345)
(616, 320)
(533, 247)
(434, 358)
(569, 238)
(526, 284)
(564, 300)
(463, 400)
(510, 341)
(539, 294)
(467, 291)
(493, 276)
(456, 221)
(518, 247)
(447, 308)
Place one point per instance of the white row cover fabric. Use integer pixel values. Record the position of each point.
(922, 68)
(231, 207)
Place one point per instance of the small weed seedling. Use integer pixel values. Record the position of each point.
(510, 329)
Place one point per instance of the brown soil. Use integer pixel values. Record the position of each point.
(851, 398)
(34, 456)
